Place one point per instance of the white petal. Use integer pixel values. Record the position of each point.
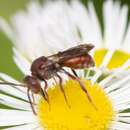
(23, 64)
(121, 126)
(15, 103)
(115, 23)
(5, 27)
(107, 58)
(104, 63)
(87, 23)
(14, 117)
(29, 38)
(116, 73)
(126, 45)
(118, 84)
(32, 126)
(95, 27)
(10, 90)
(58, 38)
(8, 78)
(17, 91)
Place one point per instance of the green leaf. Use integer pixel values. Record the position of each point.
(7, 64)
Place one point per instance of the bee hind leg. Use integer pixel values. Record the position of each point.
(81, 85)
(74, 72)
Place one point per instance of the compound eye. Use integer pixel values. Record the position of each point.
(42, 65)
(38, 64)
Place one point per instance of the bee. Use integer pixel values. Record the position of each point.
(45, 68)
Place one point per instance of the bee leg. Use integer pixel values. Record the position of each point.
(45, 91)
(74, 72)
(62, 89)
(82, 87)
(81, 84)
(43, 94)
(33, 99)
(30, 101)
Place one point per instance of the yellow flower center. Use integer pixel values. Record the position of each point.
(81, 115)
(118, 58)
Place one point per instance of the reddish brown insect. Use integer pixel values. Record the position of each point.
(44, 68)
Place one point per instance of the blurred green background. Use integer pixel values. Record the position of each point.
(9, 8)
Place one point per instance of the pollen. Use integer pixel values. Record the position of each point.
(79, 113)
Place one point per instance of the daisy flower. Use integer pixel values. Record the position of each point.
(43, 30)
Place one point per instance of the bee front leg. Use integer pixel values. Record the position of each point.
(30, 101)
(62, 89)
(33, 98)
(44, 92)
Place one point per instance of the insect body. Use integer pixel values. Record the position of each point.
(76, 57)
(44, 68)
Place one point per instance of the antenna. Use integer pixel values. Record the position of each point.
(12, 84)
